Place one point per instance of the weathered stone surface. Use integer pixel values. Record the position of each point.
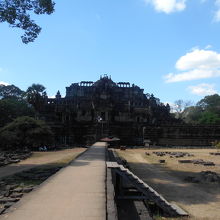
(8, 199)
(216, 154)
(16, 195)
(27, 189)
(2, 210)
(209, 163)
(17, 190)
(185, 161)
(204, 176)
(173, 154)
(198, 161)
(8, 205)
(202, 162)
(9, 157)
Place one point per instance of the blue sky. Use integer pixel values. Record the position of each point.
(168, 47)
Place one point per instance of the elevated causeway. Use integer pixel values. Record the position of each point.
(75, 192)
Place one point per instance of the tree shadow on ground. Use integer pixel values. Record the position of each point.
(173, 187)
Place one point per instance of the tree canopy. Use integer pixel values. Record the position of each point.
(13, 104)
(17, 14)
(206, 111)
(11, 91)
(25, 132)
(36, 94)
(11, 108)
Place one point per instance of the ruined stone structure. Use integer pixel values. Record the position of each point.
(182, 135)
(91, 110)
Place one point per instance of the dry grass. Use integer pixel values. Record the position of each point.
(55, 158)
(200, 200)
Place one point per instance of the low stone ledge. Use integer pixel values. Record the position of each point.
(110, 197)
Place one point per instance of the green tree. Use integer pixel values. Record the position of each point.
(208, 117)
(11, 91)
(35, 95)
(210, 103)
(11, 108)
(192, 114)
(206, 111)
(25, 132)
(17, 14)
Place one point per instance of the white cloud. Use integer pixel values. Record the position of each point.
(203, 89)
(170, 6)
(217, 16)
(4, 83)
(167, 6)
(208, 46)
(217, 12)
(197, 64)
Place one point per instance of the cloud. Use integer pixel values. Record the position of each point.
(170, 6)
(217, 16)
(203, 89)
(4, 83)
(196, 64)
(167, 6)
(208, 46)
(217, 12)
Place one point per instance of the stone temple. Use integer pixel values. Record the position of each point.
(92, 110)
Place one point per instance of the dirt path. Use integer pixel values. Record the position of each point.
(200, 202)
(40, 158)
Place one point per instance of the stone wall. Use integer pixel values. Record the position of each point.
(182, 135)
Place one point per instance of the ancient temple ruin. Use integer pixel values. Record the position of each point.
(91, 110)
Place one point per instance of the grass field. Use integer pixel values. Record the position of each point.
(200, 200)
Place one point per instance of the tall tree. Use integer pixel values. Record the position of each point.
(210, 103)
(17, 14)
(11, 91)
(206, 111)
(36, 94)
(179, 106)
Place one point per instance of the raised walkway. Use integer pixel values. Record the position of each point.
(76, 192)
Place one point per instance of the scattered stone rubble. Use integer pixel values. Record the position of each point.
(204, 176)
(198, 161)
(122, 147)
(12, 188)
(214, 153)
(15, 157)
(11, 193)
(172, 154)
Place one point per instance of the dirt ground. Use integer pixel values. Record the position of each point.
(200, 200)
(41, 158)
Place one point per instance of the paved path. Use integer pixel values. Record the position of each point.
(76, 192)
